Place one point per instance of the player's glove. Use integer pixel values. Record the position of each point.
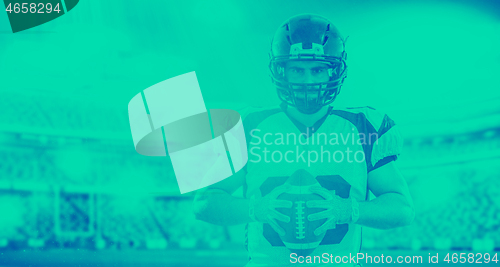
(338, 210)
(264, 209)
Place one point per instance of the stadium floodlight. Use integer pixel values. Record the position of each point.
(205, 146)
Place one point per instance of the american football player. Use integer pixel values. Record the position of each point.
(349, 151)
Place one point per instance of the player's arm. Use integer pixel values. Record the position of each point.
(393, 205)
(215, 203)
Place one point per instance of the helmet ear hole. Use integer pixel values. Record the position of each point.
(280, 70)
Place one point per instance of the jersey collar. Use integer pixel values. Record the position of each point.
(306, 131)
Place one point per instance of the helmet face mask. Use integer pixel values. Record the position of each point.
(308, 38)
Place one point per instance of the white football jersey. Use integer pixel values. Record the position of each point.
(339, 151)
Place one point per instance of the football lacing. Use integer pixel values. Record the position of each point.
(300, 219)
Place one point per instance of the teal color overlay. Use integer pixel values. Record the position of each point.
(74, 191)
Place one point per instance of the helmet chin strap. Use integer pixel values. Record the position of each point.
(310, 106)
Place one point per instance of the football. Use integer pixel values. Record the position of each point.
(300, 237)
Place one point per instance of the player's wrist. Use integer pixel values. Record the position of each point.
(355, 211)
(251, 210)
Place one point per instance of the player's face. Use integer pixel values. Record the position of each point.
(306, 72)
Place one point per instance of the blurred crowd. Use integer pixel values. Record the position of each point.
(457, 218)
(58, 192)
(48, 111)
(140, 222)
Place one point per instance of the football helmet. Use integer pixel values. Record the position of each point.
(308, 37)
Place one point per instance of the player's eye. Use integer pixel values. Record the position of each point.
(296, 70)
(318, 70)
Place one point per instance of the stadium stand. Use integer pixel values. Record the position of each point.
(97, 204)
